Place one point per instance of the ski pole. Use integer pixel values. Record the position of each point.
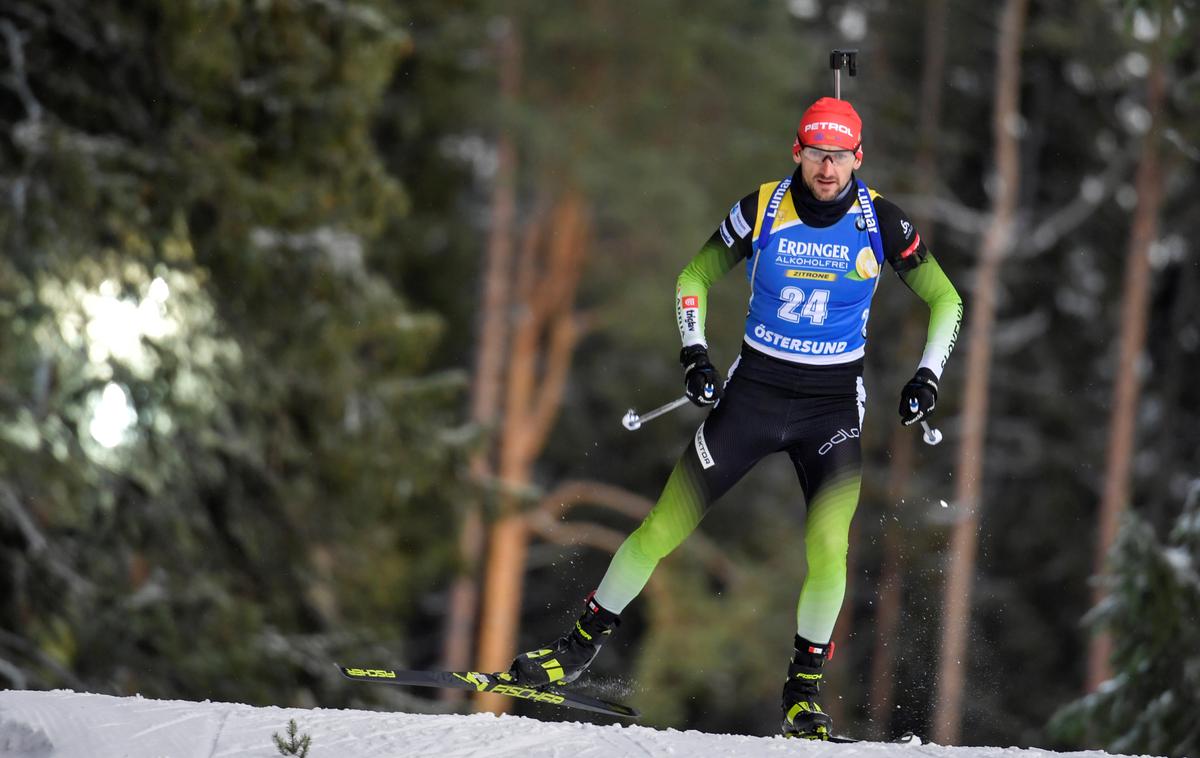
(633, 420)
(932, 436)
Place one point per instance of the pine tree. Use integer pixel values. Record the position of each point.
(1150, 704)
(192, 249)
(295, 744)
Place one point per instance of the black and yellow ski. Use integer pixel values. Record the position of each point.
(500, 684)
(908, 738)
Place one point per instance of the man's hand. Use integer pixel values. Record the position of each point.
(701, 381)
(919, 397)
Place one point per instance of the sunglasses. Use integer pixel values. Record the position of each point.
(817, 155)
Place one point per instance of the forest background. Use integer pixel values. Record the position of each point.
(319, 318)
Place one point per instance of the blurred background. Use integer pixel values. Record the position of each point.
(319, 318)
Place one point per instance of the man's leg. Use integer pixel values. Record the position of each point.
(826, 540)
(826, 543)
(745, 427)
(679, 509)
(828, 461)
(684, 501)
(827, 454)
(735, 436)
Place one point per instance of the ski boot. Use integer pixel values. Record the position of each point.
(562, 661)
(802, 714)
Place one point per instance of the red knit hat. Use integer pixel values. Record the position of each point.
(830, 123)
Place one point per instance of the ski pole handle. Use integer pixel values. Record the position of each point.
(932, 436)
(633, 420)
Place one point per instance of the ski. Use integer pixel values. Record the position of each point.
(500, 684)
(908, 738)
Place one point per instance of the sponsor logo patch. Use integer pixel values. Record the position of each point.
(773, 205)
(813, 249)
(738, 221)
(796, 344)
(841, 436)
(799, 260)
(865, 264)
(691, 301)
(829, 126)
(821, 276)
(816, 250)
(725, 235)
(526, 693)
(861, 389)
(373, 673)
(706, 459)
(867, 209)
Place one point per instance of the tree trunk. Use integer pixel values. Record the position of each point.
(996, 243)
(891, 572)
(489, 371)
(548, 273)
(1134, 306)
(1176, 382)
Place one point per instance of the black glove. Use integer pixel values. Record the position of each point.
(701, 381)
(919, 397)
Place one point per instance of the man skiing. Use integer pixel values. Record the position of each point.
(813, 245)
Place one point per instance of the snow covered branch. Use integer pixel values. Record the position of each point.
(18, 78)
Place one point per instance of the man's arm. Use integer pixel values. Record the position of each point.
(908, 255)
(729, 244)
(932, 285)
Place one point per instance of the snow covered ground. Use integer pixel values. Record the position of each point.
(63, 724)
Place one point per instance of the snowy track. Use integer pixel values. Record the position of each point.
(64, 724)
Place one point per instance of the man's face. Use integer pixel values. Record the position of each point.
(826, 172)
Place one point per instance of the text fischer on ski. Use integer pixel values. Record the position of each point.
(813, 246)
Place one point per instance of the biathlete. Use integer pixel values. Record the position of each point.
(813, 244)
